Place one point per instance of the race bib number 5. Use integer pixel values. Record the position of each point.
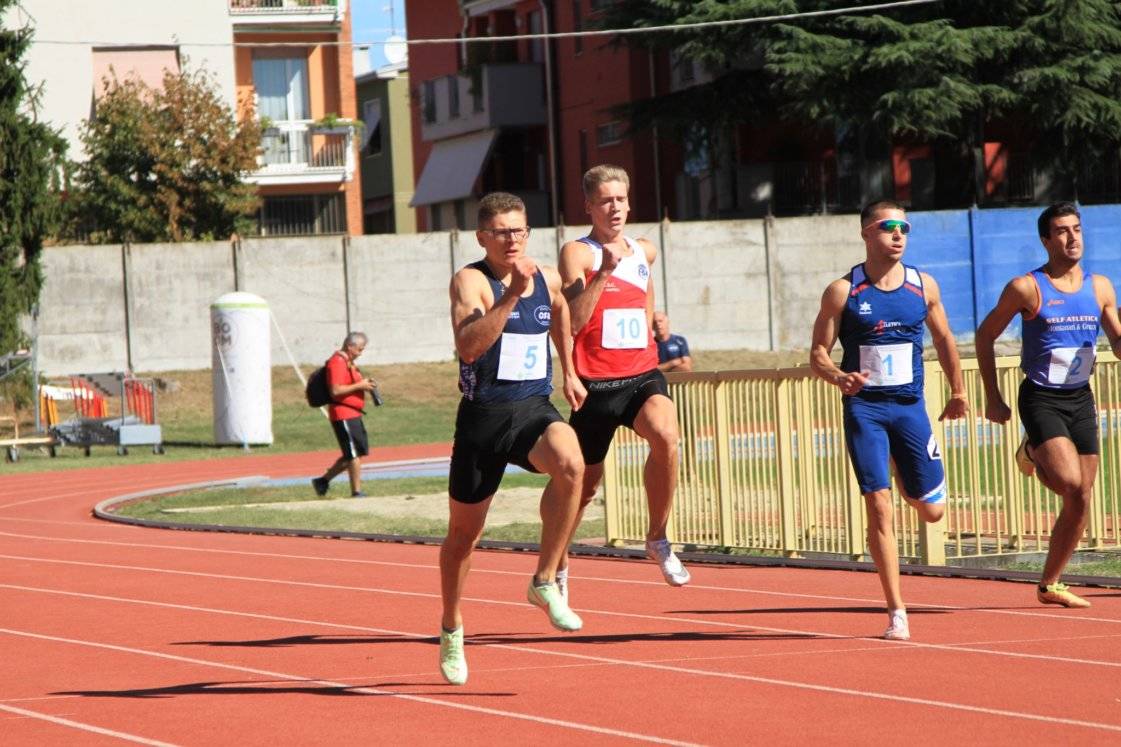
(1071, 366)
(522, 357)
(888, 365)
(624, 328)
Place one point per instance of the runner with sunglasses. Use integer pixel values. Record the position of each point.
(1064, 309)
(878, 310)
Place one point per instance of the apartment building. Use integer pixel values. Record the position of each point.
(286, 61)
(386, 155)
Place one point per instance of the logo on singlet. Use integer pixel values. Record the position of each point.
(865, 308)
(1055, 301)
(543, 314)
(643, 272)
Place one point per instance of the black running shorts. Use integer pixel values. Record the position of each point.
(490, 436)
(351, 435)
(1059, 413)
(611, 403)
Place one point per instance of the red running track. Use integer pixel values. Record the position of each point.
(112, 633)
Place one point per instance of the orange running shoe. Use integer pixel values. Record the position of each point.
(1058, 593)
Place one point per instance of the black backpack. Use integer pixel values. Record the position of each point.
(316, 391)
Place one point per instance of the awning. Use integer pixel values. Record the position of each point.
(452, 168)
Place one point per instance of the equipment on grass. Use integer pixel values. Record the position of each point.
(93, 426)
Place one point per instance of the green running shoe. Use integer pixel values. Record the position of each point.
(453, 664)
(549, 598)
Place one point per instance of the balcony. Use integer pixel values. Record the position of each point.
(497, 95)
(254, 13)
(300, 152)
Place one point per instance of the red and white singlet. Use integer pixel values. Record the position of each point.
(617, 343)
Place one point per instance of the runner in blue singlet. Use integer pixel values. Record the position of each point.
(878, 311)
(1064, 309)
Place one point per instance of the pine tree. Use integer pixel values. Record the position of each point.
(30, 157)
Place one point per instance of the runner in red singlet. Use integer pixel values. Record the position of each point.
(610, 291)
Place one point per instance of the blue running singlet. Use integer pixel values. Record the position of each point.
(881, 334)
(1060, 337)
(520, 363)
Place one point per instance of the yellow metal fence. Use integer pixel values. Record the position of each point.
(764, 468)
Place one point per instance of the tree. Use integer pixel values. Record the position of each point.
(30, 154)
(166, 164)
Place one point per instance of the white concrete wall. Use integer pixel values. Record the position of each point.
(725, 285)
(66, 69)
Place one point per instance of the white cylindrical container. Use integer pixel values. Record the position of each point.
(242, 369)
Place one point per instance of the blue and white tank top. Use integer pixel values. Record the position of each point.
(519, 364)
(881, 334)
(1061, 336)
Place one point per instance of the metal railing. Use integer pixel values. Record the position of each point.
(763, 467)
(238, 7)
(299, 147)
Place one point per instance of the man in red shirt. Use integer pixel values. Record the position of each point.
(348, 389)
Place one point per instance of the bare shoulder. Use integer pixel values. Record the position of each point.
(552, 276)
(651, 250)
(930, 288)
(836, 294)
(467, 283)
(1104, 290)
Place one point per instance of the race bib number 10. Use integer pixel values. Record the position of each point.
(888, 365)
(523, 357)
(624, 328)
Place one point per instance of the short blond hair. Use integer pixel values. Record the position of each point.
(496, 203)
(602, 174)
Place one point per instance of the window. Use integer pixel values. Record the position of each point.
(453, 96)
(577, 25)
(281, 87)
(302, 215)
(429, 101)
(371, 117)
(609, 134)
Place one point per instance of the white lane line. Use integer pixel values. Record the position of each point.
(575, 725)
(546, 652)
(83, 727)
(583, 610)
(878, 602)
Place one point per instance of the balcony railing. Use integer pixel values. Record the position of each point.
(291, 11)
(300, 152)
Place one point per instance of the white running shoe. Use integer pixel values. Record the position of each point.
(661, 553)
(898, 629)
(453, 664)
(562, 583)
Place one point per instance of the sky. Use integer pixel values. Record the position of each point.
(373, 21)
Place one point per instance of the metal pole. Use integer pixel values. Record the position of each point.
(35, 366)
(549, 124)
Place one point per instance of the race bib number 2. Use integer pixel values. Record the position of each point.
(523, 357)
(888, 365)
(624, 329)
(1071, 366)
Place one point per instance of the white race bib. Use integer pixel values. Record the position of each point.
(1071, 366)
(522, 357)
(887, 365)
(624, 328)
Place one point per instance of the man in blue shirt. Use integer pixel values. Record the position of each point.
(1064, 308)
(673, 350)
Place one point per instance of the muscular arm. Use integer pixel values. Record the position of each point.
(475, 326)
(1018, 296)
(827, 327)
(939, 327)
(560, 332)
(575, 261)
(1111, 324)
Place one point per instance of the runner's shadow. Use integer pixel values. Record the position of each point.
(262, 688)
(681, 636)
(311, 640)
(784, 610)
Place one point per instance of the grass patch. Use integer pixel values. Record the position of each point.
(329, 515)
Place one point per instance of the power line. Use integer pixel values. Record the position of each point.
(518, 37)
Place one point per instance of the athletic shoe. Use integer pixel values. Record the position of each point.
(1023, 458)
(548, 598)
(358, 494)
(661, 553)
(898, 629)
(320, 485)
(1058, 593)
(562, 583)
(453, 664)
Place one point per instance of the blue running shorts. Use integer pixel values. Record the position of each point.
(879, 428)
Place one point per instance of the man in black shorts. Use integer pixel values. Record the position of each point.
(348, 389)
(1064, 308)
(504, 310)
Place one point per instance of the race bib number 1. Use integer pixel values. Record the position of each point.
(522, 357)
(888, 365)
(1071, 366)
(624, 328)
